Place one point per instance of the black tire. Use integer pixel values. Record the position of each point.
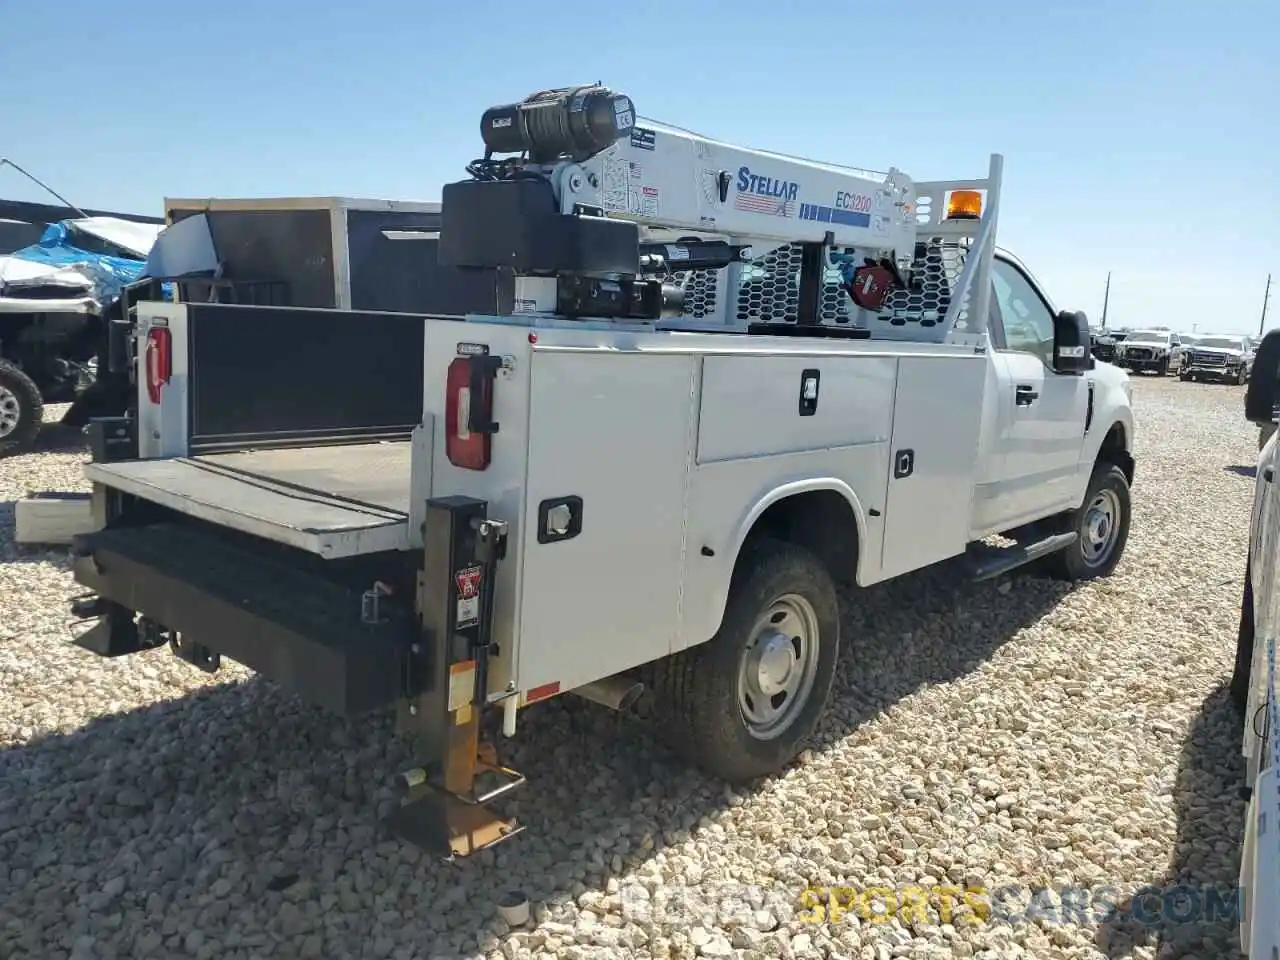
(1162, 368)
(1184, 377)
(1076, 562)
(1240, 676)
(1242, 377)
(696, 692)
(21, 409)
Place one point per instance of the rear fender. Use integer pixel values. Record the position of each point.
(748, 521)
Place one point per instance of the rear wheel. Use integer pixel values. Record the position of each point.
(741, 705)
(21, 408)
(1101, 525)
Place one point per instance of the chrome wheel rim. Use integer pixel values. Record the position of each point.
(10, 411)
(778, 667)
(1101, 527)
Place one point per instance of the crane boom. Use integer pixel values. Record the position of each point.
(600, 217)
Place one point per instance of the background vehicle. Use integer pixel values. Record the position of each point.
(1152, 350)
(1224, 357)
(639, 477)
(1104, 344)
(55, 291)
(1255, 688)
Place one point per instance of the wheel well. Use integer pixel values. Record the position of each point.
(1115, 450)
(821, 521)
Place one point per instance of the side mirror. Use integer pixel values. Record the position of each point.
(1071, 343)
(1264, 384)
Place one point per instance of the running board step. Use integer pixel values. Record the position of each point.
(990, 562)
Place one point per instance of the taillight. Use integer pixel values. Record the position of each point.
(468, 411)
(158, 360)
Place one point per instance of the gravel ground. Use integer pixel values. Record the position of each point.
(1012, 733)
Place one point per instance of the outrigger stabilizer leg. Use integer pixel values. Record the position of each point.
(446, 795)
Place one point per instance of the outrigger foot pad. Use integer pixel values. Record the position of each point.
(449, 826)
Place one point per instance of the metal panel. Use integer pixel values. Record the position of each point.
(400, 272)
(341, 259)
(297, 628)
(347, 521)
(163, 428)
(750, 405)
(608, 598)
(502, 484)
(266, 375)
(294, 246)
(937, 417)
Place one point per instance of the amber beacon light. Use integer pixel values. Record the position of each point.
(964, 205)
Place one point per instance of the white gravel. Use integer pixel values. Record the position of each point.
(1009, 733)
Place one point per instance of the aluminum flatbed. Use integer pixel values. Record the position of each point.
(335, 501)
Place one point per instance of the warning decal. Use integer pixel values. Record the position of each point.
(468, 581)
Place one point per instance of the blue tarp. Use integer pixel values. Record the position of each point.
(57, 248)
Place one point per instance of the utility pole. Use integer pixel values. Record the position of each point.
(1106, 296)
(1265, 297)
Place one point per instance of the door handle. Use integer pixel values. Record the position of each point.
(1024, 396)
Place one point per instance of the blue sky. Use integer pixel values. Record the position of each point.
(1140, 137)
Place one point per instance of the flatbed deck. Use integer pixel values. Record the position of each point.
(335, 501)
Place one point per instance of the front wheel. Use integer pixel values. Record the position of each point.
(21, 408)
(1162, 368)
(1101, 525)
(1242, 376)
(741, 705)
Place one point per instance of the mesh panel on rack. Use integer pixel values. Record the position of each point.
(770, 287)
(700, 291)
(934, 273)
(835, 303)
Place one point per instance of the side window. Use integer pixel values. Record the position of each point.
(1024, 318)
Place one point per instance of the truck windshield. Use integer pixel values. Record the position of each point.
(1148, 336)
(1220, 343)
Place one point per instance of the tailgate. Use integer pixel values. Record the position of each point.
(338, 501)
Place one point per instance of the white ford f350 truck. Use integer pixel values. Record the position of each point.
(719, 382)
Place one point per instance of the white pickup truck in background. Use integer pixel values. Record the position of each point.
(726, 382)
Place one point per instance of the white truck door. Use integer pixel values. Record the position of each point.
(1041, 415)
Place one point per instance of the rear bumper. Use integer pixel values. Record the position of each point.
(1204, 370)
(295, 627)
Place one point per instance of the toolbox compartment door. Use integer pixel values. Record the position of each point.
(616, 431)
(937, 425)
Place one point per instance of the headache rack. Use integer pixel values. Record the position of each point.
(946, 284)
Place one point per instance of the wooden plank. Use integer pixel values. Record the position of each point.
(52, 519)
